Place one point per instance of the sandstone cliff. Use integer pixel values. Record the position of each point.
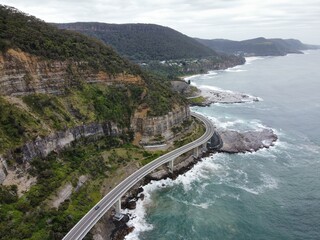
(22, 73)
(150, 127)
(41, 147)
(17, 173)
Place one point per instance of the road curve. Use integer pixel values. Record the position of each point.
(80, 230)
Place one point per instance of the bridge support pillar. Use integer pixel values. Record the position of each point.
(204, 147)
(118, 206)
(171, 163)
(196, 152)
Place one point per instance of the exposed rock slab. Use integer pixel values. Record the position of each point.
(236, 142)
(20, 177)
(211, 95)
(63, 195)
(217, 96)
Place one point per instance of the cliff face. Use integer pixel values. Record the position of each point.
(147, 127)
(22, 74)
(41, 147)
(150, 127)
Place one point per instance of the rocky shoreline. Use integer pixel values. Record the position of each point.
(209, 96)
(228, 97)
(232, 142)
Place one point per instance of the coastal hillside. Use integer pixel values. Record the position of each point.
(257, 47)
(158, 49)
(71, 111)
(143, 41)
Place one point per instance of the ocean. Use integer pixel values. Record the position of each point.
(270, 194)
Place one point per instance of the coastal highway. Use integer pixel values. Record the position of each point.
(80, 230)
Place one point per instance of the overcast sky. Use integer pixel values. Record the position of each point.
(230, 19)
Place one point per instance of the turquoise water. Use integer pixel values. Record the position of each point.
(271, 194)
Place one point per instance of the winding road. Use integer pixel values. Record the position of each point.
(80, 230)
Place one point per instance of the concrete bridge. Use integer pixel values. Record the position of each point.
(80, 230)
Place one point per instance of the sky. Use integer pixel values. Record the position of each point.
(229, 19)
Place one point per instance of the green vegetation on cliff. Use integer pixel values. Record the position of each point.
(49, 113)
(16, 126)
(82, 102)
(19, 30)
(32, 217)
(90, 103)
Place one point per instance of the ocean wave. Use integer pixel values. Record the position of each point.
(203, 205)
(202, 170)
(215, 169)
(212, 73)
(267, 183)
(235, 70)
(238, 124)
(214, 88)
(192, 77)
(249, 60)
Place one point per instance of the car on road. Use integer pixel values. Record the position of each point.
(96, 207)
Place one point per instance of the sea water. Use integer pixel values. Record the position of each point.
(270, 194)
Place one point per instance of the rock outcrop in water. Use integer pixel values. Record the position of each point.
(250, 141)
(209, 96)
(220, 96)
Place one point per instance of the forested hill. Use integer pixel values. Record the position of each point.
(143, 41)
(258, 46)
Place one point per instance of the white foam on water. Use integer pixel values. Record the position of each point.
(310, 148)
(269, 182)
(247, 189)
(235, 70)
(249, 60)
(215, 88)
(226, 122)
(212, 73)
(192, 77)
(202, 170)
(204, 205)
(269, 153)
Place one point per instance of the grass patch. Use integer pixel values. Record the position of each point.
(197, 100)
(16, 126)
(198, 131)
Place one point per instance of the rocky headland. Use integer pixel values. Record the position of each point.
(205, 96)
(220, 96)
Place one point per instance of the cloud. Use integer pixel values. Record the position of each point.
(235, 19)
